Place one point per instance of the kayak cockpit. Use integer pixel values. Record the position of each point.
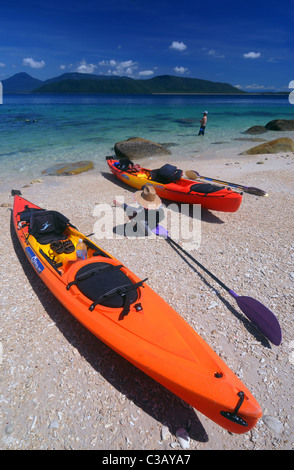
(105, 282)
(53, 238)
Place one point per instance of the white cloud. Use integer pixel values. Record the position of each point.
(29, 62)
(178, 46)
(252, 55)
(64, 67)
(2, 65)
(108, 63)
(255, 86)
(146, 73)
(180, 69)
(125, 68)
(213, 53)
(86, 68)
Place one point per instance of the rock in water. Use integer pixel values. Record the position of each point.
(280, 125)
(135, 148)
(256, 130)
(274, 146)
(65, 169)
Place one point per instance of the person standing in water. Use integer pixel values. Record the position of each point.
(203, 122)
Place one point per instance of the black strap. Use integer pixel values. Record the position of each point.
(126, 305)
(92, 272)
(123, 292)
(98, 251)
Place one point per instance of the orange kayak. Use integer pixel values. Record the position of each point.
(127, 315)
(183, 190)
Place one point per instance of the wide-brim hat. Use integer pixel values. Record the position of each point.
(147, 197)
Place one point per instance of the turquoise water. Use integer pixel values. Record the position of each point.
(37, 131)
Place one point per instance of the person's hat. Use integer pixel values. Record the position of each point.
(148, 197)
(205, 112)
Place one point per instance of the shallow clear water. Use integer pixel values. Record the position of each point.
(37, 131)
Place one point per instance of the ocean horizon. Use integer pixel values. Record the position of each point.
(37, 131)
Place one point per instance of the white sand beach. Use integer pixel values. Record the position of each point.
(62, 388)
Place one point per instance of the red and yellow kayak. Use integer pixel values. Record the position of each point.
(127, 315)
(186, 191)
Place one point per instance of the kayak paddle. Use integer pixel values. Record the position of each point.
(193, 175)
(260, 315)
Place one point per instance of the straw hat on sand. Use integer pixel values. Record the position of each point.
(147, 197)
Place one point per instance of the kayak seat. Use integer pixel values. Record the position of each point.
(166, 174)
(107, 285)
(125, 164)
(48, 226)
(205, 188)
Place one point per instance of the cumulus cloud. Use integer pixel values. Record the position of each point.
(83, 67)
(126, 67)
(254, 86)
(178, 46)
(146, 73)
(252, 55)
(108, 63)
(213, 53)
(272, 60)
(66, 67)
(180, 69)
(29, 62)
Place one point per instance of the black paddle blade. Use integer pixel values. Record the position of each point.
(256, 191)
(194, 175)
(261, 316)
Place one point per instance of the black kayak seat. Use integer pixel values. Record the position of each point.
(48, 226)
(205, 188)
(166, 174)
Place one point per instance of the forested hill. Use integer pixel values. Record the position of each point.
(86, 83)
(126, 85)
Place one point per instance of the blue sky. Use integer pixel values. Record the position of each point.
(248, 44)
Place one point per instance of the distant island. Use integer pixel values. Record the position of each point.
(79, 83)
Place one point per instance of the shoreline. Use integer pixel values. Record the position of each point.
(241, 93)
(64, 389)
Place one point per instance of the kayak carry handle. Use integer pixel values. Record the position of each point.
(234, 416)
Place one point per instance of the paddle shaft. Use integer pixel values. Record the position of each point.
(247, 189)
(260, 315)
(201, 266)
